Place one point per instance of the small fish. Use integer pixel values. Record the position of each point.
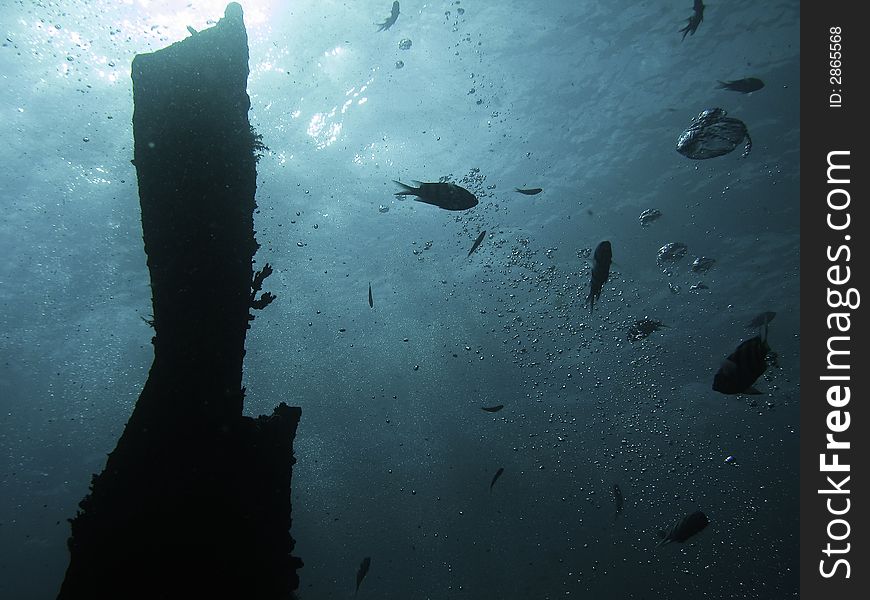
(742, 367)
(191, 30)
(361, 572)
(617, 498)
(495, 408)
(695, 19)
(448, 196)
(495, 477)
(371, 300)
(600, 272)
(684, 529)
(761, 320)
(530, 191)
(394, 14)
(745, 86)
(477, 242)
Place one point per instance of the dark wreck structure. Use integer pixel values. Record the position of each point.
(194, 501)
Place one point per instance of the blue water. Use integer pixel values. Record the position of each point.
(584, 99)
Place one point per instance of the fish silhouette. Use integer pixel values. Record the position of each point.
(477, 242)
(448, 196)
(394, 14)
(685, 528)
(601, 260)
(362, 571)
(745, 86)
(746, 364)
(742, 368)
(695, 20)
(495, 477)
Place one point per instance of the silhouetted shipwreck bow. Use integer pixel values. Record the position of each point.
(194, 502)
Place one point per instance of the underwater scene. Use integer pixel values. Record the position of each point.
(535, 269)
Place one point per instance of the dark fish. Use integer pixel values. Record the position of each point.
(617, 498)
(448, 196)
(495, 408)
(191, 30)
(713, 134)
(695, 19)
(495, 477)
(371, 300)
(643, 328)
(477, 242)
(600, 272)
(742, 367)
(391, 19)
(530, 191)
(761, 320)
(361, 572)
(749, 84)
(684, 529)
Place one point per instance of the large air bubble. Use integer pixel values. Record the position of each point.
(713, 134)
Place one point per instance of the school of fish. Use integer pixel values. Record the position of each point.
(711, 134)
